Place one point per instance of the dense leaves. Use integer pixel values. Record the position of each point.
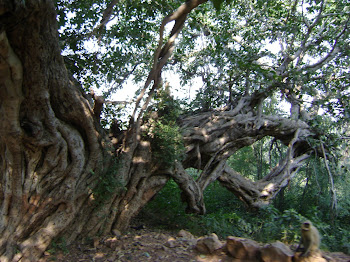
(166, 138)
(108, 56)
(295, 51)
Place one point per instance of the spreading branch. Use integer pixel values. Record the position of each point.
(179, 16)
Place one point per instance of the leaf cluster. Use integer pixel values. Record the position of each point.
(167, 144)
(110, 55)
(107, 183)
(59, 244)
(165, 135)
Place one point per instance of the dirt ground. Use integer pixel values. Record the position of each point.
(141, 244)
(137, 245)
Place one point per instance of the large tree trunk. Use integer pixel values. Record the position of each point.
(58, 171)
(50, 150)
(55, 164)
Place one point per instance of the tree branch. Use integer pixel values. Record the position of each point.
(158, 62)
(107, 14)
(191, 191)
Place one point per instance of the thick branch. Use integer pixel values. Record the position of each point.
(212, 137)
(223, 133)
(260, 193)
(11, 76)
(107, 14)
(191, 192)
(179, 16)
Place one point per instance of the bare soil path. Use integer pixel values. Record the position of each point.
(141, 244)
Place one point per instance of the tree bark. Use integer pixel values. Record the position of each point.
(49, 147)
(212, 137)
(54, 156)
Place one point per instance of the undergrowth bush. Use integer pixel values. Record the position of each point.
(164, 133)
(107, 183)
(167, 144)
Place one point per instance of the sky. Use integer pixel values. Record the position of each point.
(178, 91)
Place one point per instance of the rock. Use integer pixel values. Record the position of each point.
(186, 238)
(209, 244)
(336, 256)
(276, 252)
(243, 249)
(185, 234)
(314, 257)
(111, 242)
(202, 247)
(171, 242)
(99, 257)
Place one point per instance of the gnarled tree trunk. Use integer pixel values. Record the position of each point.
(55, 162)
(50, 147)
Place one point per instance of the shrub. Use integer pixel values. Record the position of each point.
(167, 144)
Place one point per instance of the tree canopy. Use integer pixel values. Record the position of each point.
(293, 51)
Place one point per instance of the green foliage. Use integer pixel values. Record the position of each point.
(217, 3)
(107, 183)
(243, 45)
(166, 210)
(167, 144)
(168, 109)
(109, 56)
(335, 237)
(57, 245)
(112, 112)
(234, 47)
(166, 138)
(274, 225)
(227, 216)
(255, 161)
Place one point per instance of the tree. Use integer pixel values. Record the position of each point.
(296, 46)
(62, 176)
